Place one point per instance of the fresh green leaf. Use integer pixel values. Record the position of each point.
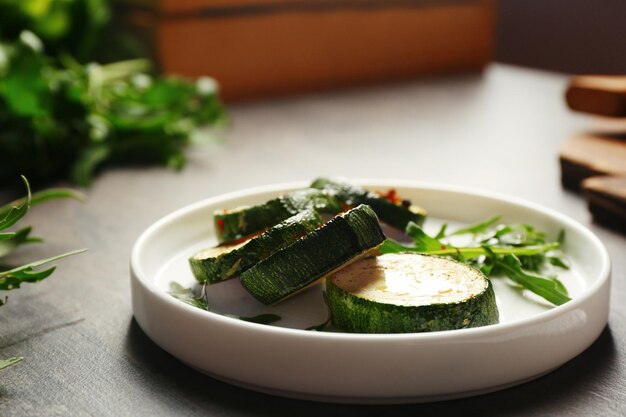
(55, 194)
(391, 246)
(59, 118)
(442, 231)
(12, 213)
(556, 261)
(519, 234)
(423, 242)
(42, 197)
(20, 237)
(24, 87)
(550, 289)
(187, 296)
(5, 363)
(519, 251)
(6, 235)
(12, 279)
(477, 228)
(87, 162)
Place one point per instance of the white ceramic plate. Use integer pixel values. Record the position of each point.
(531, 339)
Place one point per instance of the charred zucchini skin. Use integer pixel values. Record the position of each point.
(396, 215)
(227, 265)
(356, 314)
(232, 225)
(317, 254)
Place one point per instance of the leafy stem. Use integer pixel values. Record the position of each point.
(188, 296)
(13, 278)
(10, 214)
(476, 251)
(5, 363)
(515, 250)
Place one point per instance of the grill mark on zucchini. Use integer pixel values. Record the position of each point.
(396, 215)
(227, 260)
(232, 225)
(360, 300)
(313, 256)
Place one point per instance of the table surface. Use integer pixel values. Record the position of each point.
(500, 131)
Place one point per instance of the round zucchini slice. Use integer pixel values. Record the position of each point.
(228, 260)
(409, 292)
(315, 255)
(391, 209)
(235, 224)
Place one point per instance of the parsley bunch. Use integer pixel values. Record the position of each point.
(63, 116)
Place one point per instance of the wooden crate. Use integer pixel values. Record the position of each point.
(257, 48)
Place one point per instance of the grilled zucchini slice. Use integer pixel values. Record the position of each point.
(408, 292)
(389, 208)
(315, 255)
(238, 223)
(227, 260)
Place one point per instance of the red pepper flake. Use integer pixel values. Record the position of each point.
(392, 196)
(220, 224)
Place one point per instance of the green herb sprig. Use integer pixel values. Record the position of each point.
(189, 296)
(59, 118)
(5, 363)
(517, 251)
(10, 215)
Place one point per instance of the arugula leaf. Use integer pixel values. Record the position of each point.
(477, 228)
(87, 162)
(21, 237)
(515, 250)
(442, 231)
(423, 242)
(188, 296)
(40, 197)
(13, 278)
(5, 363)
(550, 289)
(556, 261)
(12, 213)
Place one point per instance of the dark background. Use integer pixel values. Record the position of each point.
(571, 36)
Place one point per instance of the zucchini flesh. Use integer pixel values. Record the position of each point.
(315, 255)
(238, 223)
(393, 211)
(228, 260)
(408, 292)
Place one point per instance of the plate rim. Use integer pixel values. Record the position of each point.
(428, 337)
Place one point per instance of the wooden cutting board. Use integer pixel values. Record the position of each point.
(606, 198)
(602, 95)
(588, 155)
